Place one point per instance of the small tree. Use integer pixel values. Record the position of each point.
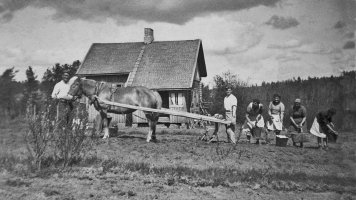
(32, 96)
(63, 142)
(8, 90)
(39, 134)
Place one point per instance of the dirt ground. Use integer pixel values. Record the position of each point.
(179, 166)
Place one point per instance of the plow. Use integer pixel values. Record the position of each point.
(194, 116)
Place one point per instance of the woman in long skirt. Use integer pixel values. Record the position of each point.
(276, 113)
(298, 125)
(324, 128)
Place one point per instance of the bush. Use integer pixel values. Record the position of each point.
(65, 141)
(39, 134)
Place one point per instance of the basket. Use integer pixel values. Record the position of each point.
(301, 137)
(281, 140)
(256, 132)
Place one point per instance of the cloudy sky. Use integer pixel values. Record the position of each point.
(260, 40)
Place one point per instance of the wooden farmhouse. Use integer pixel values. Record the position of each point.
(173, 68)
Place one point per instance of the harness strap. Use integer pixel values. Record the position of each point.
(112, 92)
(98, 86)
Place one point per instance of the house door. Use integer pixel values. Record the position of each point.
(165, 98)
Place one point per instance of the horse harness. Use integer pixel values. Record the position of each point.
(98, 89)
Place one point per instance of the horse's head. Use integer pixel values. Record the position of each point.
(75, 87)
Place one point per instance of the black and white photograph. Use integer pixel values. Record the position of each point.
(177, 99)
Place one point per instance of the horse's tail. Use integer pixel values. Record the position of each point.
(158, 99)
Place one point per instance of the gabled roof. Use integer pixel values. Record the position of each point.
(164, 64)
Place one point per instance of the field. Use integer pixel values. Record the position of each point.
(179, 166)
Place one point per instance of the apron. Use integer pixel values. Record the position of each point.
(246, 127)
(316, 130)
(275, 123)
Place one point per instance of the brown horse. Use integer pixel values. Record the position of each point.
(137, 96)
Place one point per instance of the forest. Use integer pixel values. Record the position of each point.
(17, 97)
(316, 93)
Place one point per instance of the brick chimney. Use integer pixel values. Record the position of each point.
(148, 39)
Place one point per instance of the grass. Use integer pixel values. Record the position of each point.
(197, 176)
(226, 177)
(211, 176)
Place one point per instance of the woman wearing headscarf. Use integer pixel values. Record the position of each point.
(298, 125)
(254, 119)
(276, 113)
(323, 128)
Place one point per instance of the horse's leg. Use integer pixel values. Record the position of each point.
(149, 135)
(152, 121)
(105, 122)
(98, 124)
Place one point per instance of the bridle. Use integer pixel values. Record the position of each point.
(78, 88)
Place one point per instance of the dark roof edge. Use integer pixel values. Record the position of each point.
(204, 73)
(143, 42)
(195, 64)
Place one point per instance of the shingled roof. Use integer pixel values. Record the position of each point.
(164, 64)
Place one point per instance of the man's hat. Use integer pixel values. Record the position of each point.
(297, 100)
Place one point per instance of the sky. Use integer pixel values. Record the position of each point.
(258, 40)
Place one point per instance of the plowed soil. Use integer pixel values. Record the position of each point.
(180, 166)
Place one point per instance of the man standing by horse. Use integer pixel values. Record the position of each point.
(60, 93)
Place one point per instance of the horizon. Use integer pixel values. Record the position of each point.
(210, 84)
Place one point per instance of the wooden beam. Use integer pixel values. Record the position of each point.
(168, 111)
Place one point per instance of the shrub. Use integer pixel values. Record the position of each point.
(64, 142)
(39, 135)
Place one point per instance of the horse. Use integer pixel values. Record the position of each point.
(136, 96)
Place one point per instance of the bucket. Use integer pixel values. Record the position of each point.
(281, 140)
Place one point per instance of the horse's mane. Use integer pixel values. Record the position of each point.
(74, 78)
(71, 80)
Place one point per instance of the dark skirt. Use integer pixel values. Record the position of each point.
(298, 134)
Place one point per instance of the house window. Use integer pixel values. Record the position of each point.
(176, 98)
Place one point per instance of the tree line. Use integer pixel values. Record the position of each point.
(317, 94)
(17, 97)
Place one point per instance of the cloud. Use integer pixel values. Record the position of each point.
(283, 58)
(177, 12)
(349, 45)
(350, 35)
(235, 39)
(314, 48)
(286, 45)
(343, 61)
(39, 57)
(340, 25)
(280, 22)
(9, 7)
(11, 52)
